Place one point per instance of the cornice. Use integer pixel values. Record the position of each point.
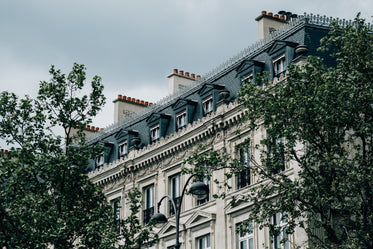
(225, 116)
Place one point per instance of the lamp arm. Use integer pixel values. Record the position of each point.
(184, 188)
(170, 198)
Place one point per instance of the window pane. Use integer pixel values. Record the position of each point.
(243, 244)
(251, 243)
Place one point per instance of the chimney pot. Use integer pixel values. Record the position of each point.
(2, 150)
(187, 74)
(6, 151)
(181, 72)
(101, 129)
(198, 77)
(270, 14)
(124, 97)
(142, 102)
(88, 127)
(137, 101)
(97, 128)
(193, 75)
(264, 12)
(175, 71)
(128, 98)
(93, 128)
(288, 19)
(146, 103)
(133, 100)
(282, 17)
(119, 96)
(276, 16)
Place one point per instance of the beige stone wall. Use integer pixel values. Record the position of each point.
(155, 164)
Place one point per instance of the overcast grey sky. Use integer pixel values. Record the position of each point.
(134, 44)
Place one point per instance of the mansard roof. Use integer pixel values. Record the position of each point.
(224, 76)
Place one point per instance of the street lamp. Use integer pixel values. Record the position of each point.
(198, 188)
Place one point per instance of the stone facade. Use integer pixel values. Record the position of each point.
(159, 138)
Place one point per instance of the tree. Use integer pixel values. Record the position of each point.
(46, 197)
(134, 235)
(321, 119)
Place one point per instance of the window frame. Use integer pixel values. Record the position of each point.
(157, 132)
(248, 77)
(174, 179)
(203, 242)
(100, 160)
(207, 102)
(181, 116)
(149, 202)
(116, 205)
(246, 171)
(276, 239)
(246, 237)
(279, 61)
(120, 149)
(277, 154)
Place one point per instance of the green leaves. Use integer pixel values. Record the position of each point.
(328, 111)
(325, 117)
(46, 197)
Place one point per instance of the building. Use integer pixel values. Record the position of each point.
(148, 143)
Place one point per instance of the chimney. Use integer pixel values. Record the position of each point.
(125, 106)
(178, 80)
(268, 23)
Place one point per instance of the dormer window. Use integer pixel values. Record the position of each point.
(181, 120)
(123, 148)
(279, 65)
(154, 133)
(207, 106)
(248, 78)
(100, 160)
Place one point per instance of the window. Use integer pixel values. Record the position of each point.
(204, 242)
(201, 200)
(280, 241)
(116, 208)
(248, 78)
(175, 192)
(100, 160)
(123, 149)
(244, 177)
(277, 155)
(148, 194)
(246, 236)
(207, 106)
(181, 120)
(154, 133)
(279, 65)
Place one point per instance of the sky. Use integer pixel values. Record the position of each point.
(134, 44)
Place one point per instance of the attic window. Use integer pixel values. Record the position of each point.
(247, 78)
(279, 65)
(100, 160)
(181, 120)
(207, 106)
(123, 149)
(154, 133)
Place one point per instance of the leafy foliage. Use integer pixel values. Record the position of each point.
(46, 198)
(323, 117)
(134, 235)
